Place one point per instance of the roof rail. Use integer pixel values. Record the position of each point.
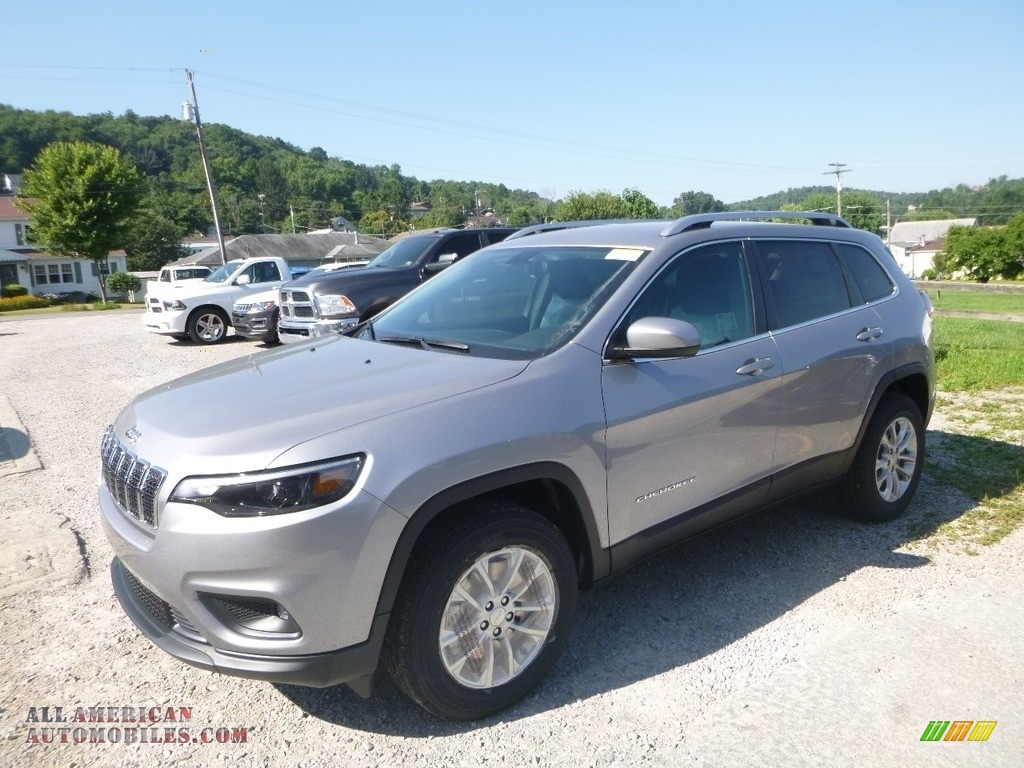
(705, 220)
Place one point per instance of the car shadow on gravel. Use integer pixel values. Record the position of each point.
(229, 339)
(679, 606)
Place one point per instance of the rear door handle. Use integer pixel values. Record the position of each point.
(758, 365)
(869, 334)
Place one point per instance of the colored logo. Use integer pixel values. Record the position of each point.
(958, 730)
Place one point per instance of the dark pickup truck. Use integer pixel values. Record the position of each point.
(318, 305)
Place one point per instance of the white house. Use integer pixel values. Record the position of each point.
(914, 244)
(43, 273)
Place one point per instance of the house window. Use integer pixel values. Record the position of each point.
(40, 270)
(21, 233)
(67, 274)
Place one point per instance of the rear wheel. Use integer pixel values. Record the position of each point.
(484, 612)
(207, 325)
(885, 473)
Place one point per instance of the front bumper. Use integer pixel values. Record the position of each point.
(166, 321)
(185, 582)
(260, 326)
(290, 332)
(354, 665)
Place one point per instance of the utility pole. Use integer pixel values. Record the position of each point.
(838, 169)
(206, 166)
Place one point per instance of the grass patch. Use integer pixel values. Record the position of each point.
(978, 301)
(984, 460)
(96, 306)
(976, 355)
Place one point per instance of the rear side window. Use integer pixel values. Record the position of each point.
(867, 274)
(804, 282)
(495, 236)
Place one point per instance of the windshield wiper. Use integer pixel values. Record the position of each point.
(423, 343)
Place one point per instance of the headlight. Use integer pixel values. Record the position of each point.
(174, 305)
(260, 306)
(335, 305)
(273, 492)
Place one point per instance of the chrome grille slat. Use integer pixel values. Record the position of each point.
(133, 483)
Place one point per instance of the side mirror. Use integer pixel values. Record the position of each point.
(658, 337)
(443, 261)
(243, 280)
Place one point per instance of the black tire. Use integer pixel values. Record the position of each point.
(506, 641)
(272, 337)
(885, 473)
(180, 336)
(207, 325)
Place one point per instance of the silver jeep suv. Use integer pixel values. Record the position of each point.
(534, 419)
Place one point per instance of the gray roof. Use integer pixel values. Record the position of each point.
(11, 257)
(298, 250)
(916, 232)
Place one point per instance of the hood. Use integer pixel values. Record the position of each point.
(241, 415)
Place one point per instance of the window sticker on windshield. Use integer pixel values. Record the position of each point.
(624, 254)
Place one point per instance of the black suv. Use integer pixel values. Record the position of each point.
(322, 304)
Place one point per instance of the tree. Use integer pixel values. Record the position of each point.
(692, 202)
(582, 206)
(638, 205)
(151, 241)
(982, 253)
(861, 209)
(82, 198)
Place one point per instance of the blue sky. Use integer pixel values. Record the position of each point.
(738, 99)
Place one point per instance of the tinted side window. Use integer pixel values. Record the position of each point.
(804, 282)
(492, 236)
(460, 245)
(708, 287)
(867, 273)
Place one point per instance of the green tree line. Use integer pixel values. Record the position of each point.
(268, 185)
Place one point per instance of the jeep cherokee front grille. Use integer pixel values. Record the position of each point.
(132, 482)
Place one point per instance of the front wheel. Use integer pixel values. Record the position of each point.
(885, 473)
(207, 325)
(484, 612)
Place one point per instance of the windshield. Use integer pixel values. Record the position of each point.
(222, 274)
(517, 303)
(404, 253)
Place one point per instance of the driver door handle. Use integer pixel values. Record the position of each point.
(755, 366)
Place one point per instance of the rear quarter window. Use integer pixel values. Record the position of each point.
(868, 275)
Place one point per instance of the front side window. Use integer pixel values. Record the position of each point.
(804, 282)
(513, 303)
(460, 245)
(404, 253)
(224, 272)
(263, 272)
(708, 287)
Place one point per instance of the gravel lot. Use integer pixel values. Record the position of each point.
(795, 638)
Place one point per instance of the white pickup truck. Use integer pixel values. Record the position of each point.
(201, 310)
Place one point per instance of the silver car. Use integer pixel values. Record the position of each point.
(529, 422)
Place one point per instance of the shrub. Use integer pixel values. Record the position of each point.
(124, 283)
(22, 302)
(13, 289)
